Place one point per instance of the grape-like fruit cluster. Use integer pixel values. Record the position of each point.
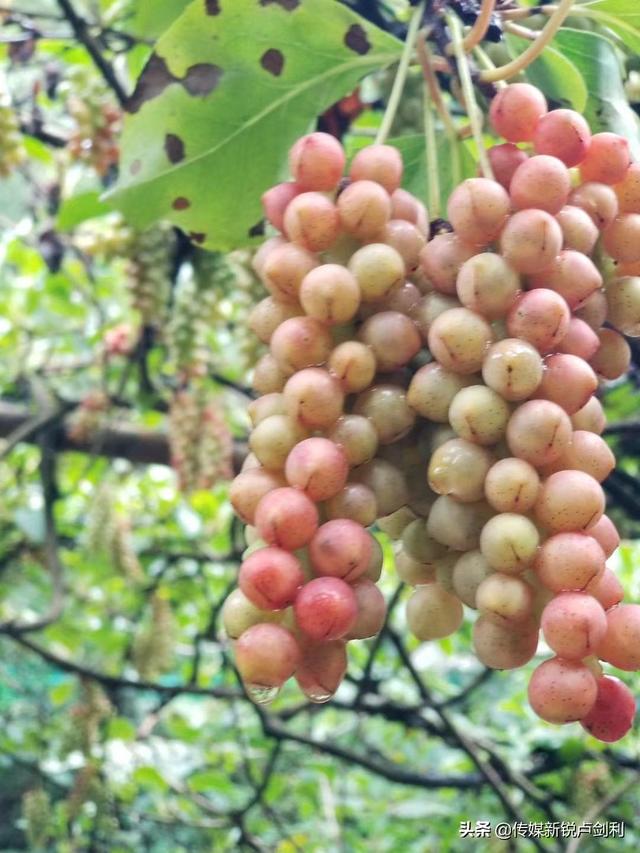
(333, 401)
(148, 273)
(444, 388)
(153, 647)
(109, 534)
(90, 417)
(94, 140)
(228, 288)
(192, 315)
(200, 442)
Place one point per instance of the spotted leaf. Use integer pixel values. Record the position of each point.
(226, 92)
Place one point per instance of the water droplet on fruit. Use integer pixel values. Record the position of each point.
(318, 694)
(261, 694)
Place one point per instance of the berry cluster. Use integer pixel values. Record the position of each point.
(153, 647)
(444, 388)
(199, 438)
(94, 140)
(231, 280)
(149, 273)
(90, 417)
(109, 534)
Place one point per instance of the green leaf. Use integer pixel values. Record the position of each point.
(154, 17)
(607, 105)
(79, 208)
(119, 728)
(148, 777)
(62, 692)
(415, 166)
(555, 75)
(620, 16)
(224, 97)
(205, 780)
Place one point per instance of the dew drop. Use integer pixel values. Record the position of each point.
(318, 694)
(261, 694)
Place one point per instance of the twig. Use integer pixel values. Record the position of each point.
(469, 94)
(432, 91)
(401, 75)
(486, 770)
(43, 135)
(479, 30)
(52, 560)
(119, 681)
(510, 69)
(632, 426)
(431, 154)
(365, 681)
(464, 694)
(387, 770)
(522, 32)
(601, 807)
(83, 34)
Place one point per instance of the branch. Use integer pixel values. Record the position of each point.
(387, 770)
(487, 771)
(535, 48)
(28, 429)
(461, 697)
(29, 129)
(83, 34)
(601, 807)
(52, 560)
(123, 441)
(119, 681)
(630, 427)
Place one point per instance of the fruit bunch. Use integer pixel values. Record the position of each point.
(218, 291)
(148, 257)
(199, 438)
(109, 534)
(232, 289)
(444, 388)
(148, 272)
(90, 417)
(12, 151)
(192, 313)
(107, 238)
(37, 813)
(153, 648)
(313, 483)
(97, 123)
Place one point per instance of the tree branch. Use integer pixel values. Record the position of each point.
(123, 441)
(52, 560)
(387, 770)
(119, 681)
(487, 771)
(83, 34)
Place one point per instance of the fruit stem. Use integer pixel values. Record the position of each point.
(486, 62)
(522, 32)
(479, 30)
(431, 148)
(534, 50)
(435, 93)
(401, 75)
(469, 94)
